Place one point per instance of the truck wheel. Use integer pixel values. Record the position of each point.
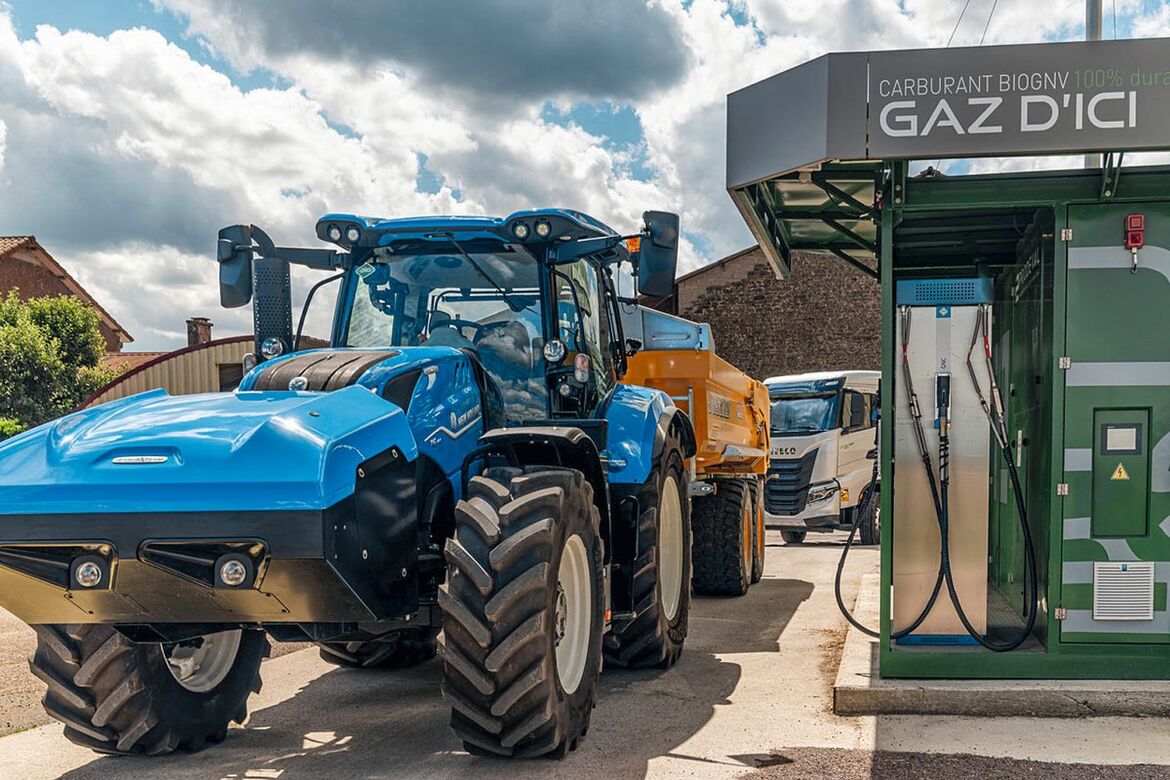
(724, 540)
(793, 537)
(869, 526)
(523, 612)
(758, 532)
(661, 584)
(114, 696)
(396, 650)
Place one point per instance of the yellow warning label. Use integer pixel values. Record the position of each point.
(1120, 472)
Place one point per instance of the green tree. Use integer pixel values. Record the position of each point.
(50, 359)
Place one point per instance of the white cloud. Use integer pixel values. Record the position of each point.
(125, 155)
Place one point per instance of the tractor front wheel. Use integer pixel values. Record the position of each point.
(523, 612)
(115, 696)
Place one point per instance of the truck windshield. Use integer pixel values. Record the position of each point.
(489, 305)
(804, 413)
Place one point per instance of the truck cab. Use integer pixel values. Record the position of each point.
(820, 463)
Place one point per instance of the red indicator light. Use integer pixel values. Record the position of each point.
(1135, 232)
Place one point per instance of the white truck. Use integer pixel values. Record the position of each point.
(821, 459)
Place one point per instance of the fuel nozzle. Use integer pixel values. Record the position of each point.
(942, 392)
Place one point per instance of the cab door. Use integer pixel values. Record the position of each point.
(853, 468)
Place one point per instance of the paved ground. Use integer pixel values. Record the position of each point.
(751, 697)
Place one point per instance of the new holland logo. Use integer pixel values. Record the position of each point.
(139, 460)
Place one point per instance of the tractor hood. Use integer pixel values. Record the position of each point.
(215, 452)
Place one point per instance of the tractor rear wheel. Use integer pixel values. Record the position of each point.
(395, 650)
(724, 539)
(660, 577)
(757, 531)
(115, 696)
(523, 612)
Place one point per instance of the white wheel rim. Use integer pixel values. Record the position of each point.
(201, 668)
(670, 549)
(574, 613)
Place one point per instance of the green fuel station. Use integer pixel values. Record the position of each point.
(1025, 409)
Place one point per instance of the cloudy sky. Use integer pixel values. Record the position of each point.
(131, 131)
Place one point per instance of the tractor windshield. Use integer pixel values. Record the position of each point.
(487, 302)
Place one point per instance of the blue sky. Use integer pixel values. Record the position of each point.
(131, 131)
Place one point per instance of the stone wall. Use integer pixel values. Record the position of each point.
(827, 316)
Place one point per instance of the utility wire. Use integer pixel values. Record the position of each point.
(987, 26)
(958, 22)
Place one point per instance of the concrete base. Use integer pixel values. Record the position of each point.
(860, 690)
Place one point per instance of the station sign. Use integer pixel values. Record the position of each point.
(1048, 98)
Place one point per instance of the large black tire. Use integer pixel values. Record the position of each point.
(757, 531)
(502, 608)
(396, 650)
(724, 540)
(867, 520)
(114, 696)
(793, 537)
(655, 636)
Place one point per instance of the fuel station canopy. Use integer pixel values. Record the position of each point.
(808, 149)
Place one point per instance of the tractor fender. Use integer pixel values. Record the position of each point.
(565, 446)
(639, 421)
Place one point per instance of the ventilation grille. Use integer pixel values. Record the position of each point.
(936, 292)
(1123, 591)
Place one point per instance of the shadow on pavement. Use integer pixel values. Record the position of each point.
(394, 724)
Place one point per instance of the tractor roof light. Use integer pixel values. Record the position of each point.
(333, 232)
(352, 234)
(543, 228)
(520, 230)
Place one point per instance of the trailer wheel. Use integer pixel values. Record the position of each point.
(758, 532)
(661, 572)
(869, 524)
(396, 650)
(793, 537)
(523, 612)
(724, 540)
(115, 696)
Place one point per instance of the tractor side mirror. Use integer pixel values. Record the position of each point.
(234, 253)
(658, 254)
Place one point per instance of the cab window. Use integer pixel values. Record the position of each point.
(579, 289)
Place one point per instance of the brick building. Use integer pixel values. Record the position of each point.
(826, 316)
(25, 265)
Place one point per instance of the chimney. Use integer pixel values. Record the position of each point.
(198, 331)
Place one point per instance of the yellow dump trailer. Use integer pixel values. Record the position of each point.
(730, 413)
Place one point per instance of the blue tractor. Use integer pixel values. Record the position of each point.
(462, 457)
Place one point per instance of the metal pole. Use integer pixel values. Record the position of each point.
(1093, 15)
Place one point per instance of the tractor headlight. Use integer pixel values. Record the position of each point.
(554, 351)
(821, 492)
(352, 234)
(334, 233)
(543, 228)
(520, 230)
(271, 347)
(89, 575)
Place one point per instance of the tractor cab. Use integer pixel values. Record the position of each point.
(531, 298)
